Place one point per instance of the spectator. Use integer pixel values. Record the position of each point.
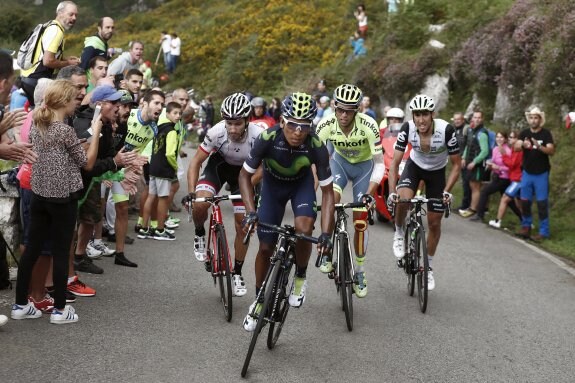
(476, 151)
(97, 45)
(325, 104)
(133, 82)
(461, 130)
(275, 109)
(392, 6)
(511, 196)
(499, 174)
(15, 151)
(54, 199)
(361, 17)
(97, 70)
(127, 60)
(364, 107)
(166, 42)
(175, 45)
(537, 145)
(357, 43)
(207, 107)
(49, 54)
(146, 69)
(321, 90)
(258, 115)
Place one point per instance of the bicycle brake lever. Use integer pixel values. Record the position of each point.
(319, 257)
(247, 237)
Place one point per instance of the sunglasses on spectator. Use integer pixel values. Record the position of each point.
(293, 126)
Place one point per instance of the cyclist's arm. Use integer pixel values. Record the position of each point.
(258, 175)
(327, 208)
(194, 169)
(376, 174)
(247, 189)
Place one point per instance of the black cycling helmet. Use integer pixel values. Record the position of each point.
(300, 106)
(236, 106)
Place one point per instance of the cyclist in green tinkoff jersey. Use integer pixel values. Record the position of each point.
(358, 158)
(433, 143)
(287, 152)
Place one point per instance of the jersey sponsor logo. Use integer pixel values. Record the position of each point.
(302, 205)
(296, 166)
(267, 135)
(134, 137)
(348, 144)
(452, 141)
(401, 137)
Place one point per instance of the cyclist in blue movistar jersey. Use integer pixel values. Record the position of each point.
(433, 143)
(287, 152)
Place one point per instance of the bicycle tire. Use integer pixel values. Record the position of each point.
(268, 293)
(346, 279)
(422, 291)
(282, 302)
(410, 262)
(224, 275)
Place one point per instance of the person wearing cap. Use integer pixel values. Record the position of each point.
(259, 116)
(90, 212)
(324, 102)
(537, 145)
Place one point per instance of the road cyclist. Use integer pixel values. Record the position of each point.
(434, 143)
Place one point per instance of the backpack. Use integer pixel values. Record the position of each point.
(30, 44)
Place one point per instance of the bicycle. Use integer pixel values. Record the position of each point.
(274, 294)
(415, 262)
(343, 272)
(217, 249)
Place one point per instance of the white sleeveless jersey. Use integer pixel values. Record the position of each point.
(234, 153)
(443, 143)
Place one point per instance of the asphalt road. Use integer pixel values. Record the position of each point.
(501, 312)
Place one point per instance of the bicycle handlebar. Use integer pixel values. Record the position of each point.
(422, 200)
(350, 205)
(218, 198)
(285, 230)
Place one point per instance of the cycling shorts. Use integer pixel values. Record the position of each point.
(434, 183)
(216, 173)
(273, 199)
(359, 174)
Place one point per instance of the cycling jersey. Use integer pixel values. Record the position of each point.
(443, 143)
(361, 144)
(287, 163)
(140, 133)
(234, 153)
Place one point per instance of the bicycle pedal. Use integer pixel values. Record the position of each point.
(400, 263)
(331, 275)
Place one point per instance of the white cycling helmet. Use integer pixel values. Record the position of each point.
(395, 113)
(236, 106)
(422, 102)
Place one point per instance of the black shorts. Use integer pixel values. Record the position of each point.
(216, 173)
(146, 169)
(90, 212)
(434, 183)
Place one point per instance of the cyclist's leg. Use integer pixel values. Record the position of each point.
(336, 164)
(303, 202)
(406, 188)
(360, 175)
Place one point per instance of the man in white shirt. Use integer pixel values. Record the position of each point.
(166, 42)
(176, 43)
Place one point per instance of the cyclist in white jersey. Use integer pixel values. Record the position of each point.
(433, 144)
(227, 144)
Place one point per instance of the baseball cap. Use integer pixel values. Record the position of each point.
(106, 93)
(127, 98)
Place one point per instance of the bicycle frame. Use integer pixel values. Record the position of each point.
(341, 228)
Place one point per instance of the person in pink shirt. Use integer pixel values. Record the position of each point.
(499, 175)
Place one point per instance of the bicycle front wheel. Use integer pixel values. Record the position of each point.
(224, 275)
(410, 261)
(345, 278)
(269, 292)
(423, 262)
(281, 302)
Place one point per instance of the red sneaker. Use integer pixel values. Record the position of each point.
(80, 289)
(46, 305)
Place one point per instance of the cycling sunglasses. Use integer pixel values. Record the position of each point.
(293, 126)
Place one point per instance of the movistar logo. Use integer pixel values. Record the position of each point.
(266, 135)
(297, 165)
(316, 142)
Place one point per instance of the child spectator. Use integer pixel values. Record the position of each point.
(163, 171)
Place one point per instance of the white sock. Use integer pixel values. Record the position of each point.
(399, 230)
(97, 241)
(429, 259)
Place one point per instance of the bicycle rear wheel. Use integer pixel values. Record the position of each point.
(346, 279)
(281, 302)
(224, 275)
(423, 264)
(410, 263)
(269, 292)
